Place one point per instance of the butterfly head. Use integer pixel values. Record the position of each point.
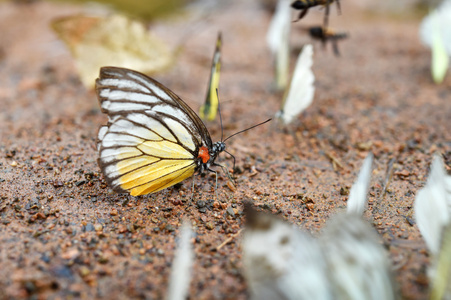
(217, 148)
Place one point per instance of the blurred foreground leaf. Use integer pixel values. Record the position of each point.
(111, 41)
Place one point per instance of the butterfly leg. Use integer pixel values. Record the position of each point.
(233, 159)
(216, 184)
(224, 169)
(192, 193)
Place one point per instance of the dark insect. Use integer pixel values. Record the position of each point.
(327, 34)
(304, 5)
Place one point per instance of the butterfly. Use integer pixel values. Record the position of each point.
(278, 41)
(301, 90)
(433, 216)
(433, 206)
(435, 32)
(96, 41)
(347, 261)
(210, 108)
(153, 139)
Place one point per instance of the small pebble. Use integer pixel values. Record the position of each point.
(344, 191)
(209, 225)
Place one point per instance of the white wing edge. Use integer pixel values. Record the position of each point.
(437, 21)
(180, 277)
(301, 90)
(359, 191)
(101, 134)
(432, 206)
(279, 25)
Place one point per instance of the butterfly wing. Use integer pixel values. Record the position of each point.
(359, 191)
(209, 109)
(277, 39)
(301, 90)
(152, 138)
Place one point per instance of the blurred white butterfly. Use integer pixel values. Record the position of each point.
(359, 191)
(358, 263)
(347, 262)
(281, 261)
(440, 269)
(435, 32)
(432, 205)
(181, 265)
(301, 90)
(432, 212)
(278, 42)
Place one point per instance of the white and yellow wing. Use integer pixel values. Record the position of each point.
(152, 138)
(210, 108)
(435, 32)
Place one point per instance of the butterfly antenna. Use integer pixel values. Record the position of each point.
(247, 129)
(220, 116)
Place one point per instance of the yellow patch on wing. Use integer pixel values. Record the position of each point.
(213, 109)
(128, 165)
(164, 182)
(210, 108)
(156, 176)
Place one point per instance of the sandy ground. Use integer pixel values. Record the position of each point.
(64, 233)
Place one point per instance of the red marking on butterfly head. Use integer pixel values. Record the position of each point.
(204, 154)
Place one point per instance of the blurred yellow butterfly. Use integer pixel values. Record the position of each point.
(210, 108)
(96, 41)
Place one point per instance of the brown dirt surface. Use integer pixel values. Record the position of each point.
(64, 233)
